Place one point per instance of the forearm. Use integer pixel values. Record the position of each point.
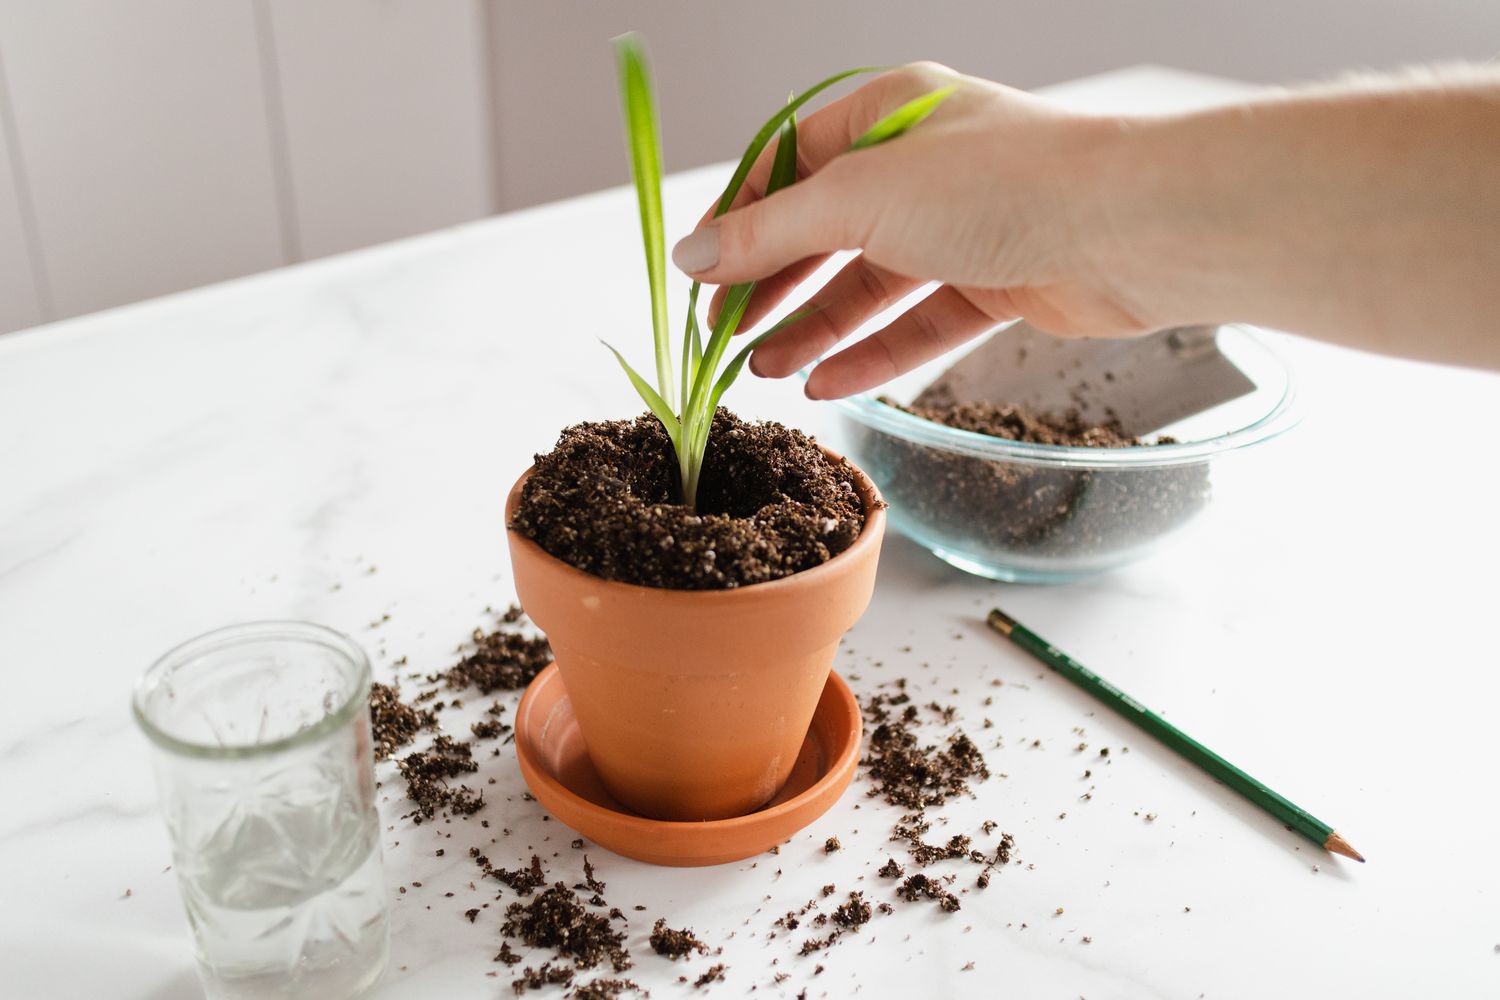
(1368, 217)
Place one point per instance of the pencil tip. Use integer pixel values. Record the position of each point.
(1338, 845)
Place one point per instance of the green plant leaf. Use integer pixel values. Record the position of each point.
(903, 118)
(692, 342)
(784, 164)
(644, 141)
(699, 387)
(695, 432)
(783, 173)
(653, 399)
(730, 312)
(770, 128)
(737, 363)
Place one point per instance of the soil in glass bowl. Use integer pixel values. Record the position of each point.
(1032, 511)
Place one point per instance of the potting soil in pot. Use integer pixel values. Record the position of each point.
(1032, 509)
(607, 499)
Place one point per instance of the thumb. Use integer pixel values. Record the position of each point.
(758, 240)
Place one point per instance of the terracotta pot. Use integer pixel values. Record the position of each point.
(694, 703)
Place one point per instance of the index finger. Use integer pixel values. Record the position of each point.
(830, 130)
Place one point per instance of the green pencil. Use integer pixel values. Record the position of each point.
(1295, 817)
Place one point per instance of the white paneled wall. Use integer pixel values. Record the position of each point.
(20, 291)
(152, 145)
(143, 134)
(163, 144)
(388, 126)
(723, 67)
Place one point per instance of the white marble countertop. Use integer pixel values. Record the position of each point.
(235, 453)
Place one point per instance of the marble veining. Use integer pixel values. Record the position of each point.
(334, 442)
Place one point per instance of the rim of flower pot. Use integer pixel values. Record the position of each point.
(870, 534)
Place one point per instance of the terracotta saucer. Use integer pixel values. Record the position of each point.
(555, 763)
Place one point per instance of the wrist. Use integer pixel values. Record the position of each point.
(1166, 226)
(1327, 213)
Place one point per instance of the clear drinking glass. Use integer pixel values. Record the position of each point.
(263, 761)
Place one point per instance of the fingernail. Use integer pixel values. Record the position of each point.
(698, 251)
(754, 368)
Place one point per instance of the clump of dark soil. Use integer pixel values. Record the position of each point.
(1017, 509)
(847, 917)
(427, 773)
(605, 989)
(393, 723)
(921, 886)
(812, 945)
(854, 914)
(536, 979)
(903, 770)
(1001, 857)
(556, 919)
(591, 882)
(492, 728)
(915, 775)
(607, 499)
(522, 881)
(715, 974)
(503, 660)
(675, 944)
(923, 854)
(793, 919)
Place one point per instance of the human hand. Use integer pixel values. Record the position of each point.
(1365, 213)
(983, 196)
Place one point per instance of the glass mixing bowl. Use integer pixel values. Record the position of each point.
(1031, 513)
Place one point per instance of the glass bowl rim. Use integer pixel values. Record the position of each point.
(1282, 416)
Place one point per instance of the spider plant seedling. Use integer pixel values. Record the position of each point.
(685, 400)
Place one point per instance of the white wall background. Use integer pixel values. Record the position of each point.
(152, 145)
